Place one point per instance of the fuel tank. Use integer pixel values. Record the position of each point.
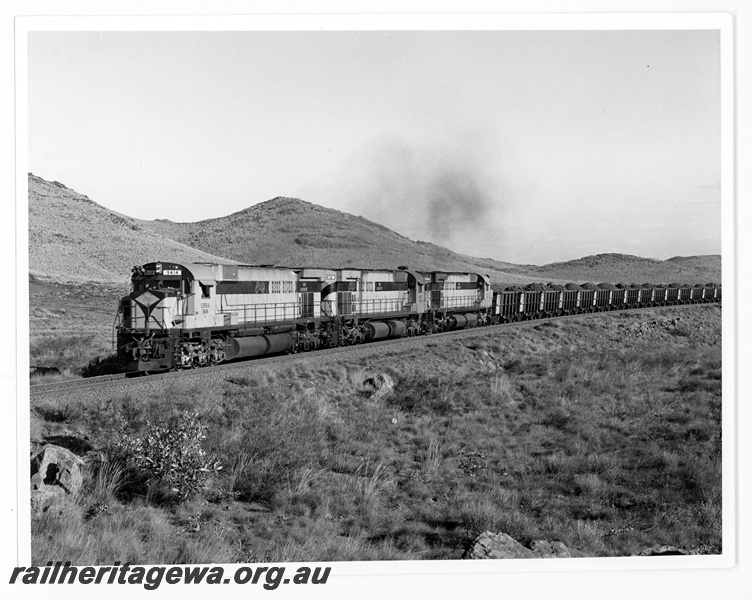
(256, 345)
(458, 322)
(396, 328)
(378, 330)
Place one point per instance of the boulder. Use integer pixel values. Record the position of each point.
(381, 384)
(500, 545)
(55, 470)
(496, 545)
(663, 551)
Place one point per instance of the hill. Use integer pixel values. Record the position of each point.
(292, 232)
(72, 238)
(710, 262)
(626, 268)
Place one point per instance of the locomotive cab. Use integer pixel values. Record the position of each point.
(154, 302)
(166, 300)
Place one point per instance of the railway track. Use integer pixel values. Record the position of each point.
(120, 378)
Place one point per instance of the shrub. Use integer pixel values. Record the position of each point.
(419, 395)
(58, 410)
(64, 351)
(556, 418)
(101, 366)
(170, 455)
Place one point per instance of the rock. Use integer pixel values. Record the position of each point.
(496, 546)
(663, 551)
(382, 384)
(500, 545)
(55, 470)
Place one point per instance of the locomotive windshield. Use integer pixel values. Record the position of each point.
(156, 277)
(159, 284)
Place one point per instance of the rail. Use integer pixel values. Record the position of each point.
(122, 379)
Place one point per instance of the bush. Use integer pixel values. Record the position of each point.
(101, 366)
(57, 410)
(420, 395)
(63, 351)
(170, 455)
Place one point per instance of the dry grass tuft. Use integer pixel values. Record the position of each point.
(432, 458)
(110, 480)
(58, 410)
(303, 479)
(502, 389)
(369, 487)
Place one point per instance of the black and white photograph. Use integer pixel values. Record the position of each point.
(374, 294)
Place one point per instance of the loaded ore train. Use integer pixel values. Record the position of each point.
(182, 316)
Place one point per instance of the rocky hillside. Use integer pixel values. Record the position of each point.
(71, 238)
(289, 231)
(74, 239)
(710, 262)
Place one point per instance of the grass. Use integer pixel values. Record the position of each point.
(72, 356)
(571, 432)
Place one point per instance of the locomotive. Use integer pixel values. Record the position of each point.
(183, 316)
(197, 314)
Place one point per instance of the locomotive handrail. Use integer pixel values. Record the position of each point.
(268, 314)
(115, 324)
(378, 306)
(466, 302)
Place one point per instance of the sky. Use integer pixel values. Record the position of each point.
(522, 146)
